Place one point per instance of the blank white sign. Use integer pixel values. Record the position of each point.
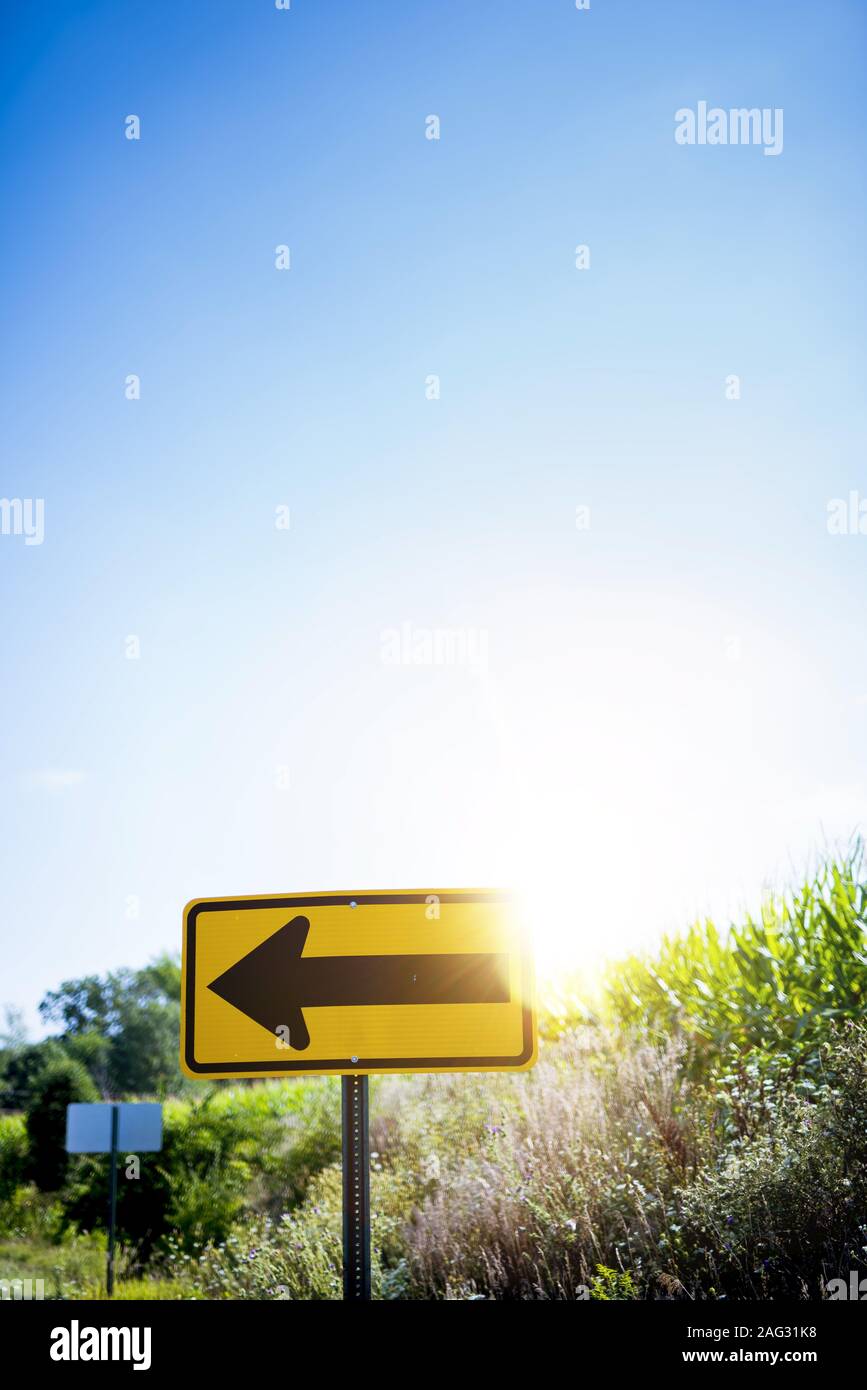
(139, 1127)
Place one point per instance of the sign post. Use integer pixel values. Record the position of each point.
(356, 1189)
(105, 1127)
(112, 1204)
(350, 985)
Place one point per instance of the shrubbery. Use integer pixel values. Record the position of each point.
(14, 1157)
(62, 1083)
(603, 1175)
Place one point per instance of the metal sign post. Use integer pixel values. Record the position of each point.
(105, 1127)
(356, 1189)
(112, 1203)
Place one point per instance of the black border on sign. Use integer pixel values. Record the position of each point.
(342, 1064)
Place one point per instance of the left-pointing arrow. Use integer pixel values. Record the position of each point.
(274, 983)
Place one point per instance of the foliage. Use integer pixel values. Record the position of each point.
(229, 1150)
(771, 986)
(21, 1066)
(66, 1267)
(612, 1285)
(14, 1157)
(578, 1175)
(140, 1291)
(123, 1026)
(607, 1173)
(61, 1083)
(786, 1211)
(300, 1255)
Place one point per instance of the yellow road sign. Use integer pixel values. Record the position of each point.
(354, 983)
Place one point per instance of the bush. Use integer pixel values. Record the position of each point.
(300, 1255)
(619, 1177)
(14, 1155)
(579, 1174)
(22, 1068)
(786, 1211)
(59, 1085)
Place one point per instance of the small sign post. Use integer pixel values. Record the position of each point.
(105, 1127)
(356, 1189)
(112, 1204)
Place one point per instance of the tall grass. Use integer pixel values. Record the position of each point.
(605, 1173)
(771, 985)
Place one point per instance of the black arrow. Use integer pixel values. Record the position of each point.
(274, 982)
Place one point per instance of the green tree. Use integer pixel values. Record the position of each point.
(21, 1069)
(59, 1085)
(123, 1026)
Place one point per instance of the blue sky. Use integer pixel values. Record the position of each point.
(673, 707)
